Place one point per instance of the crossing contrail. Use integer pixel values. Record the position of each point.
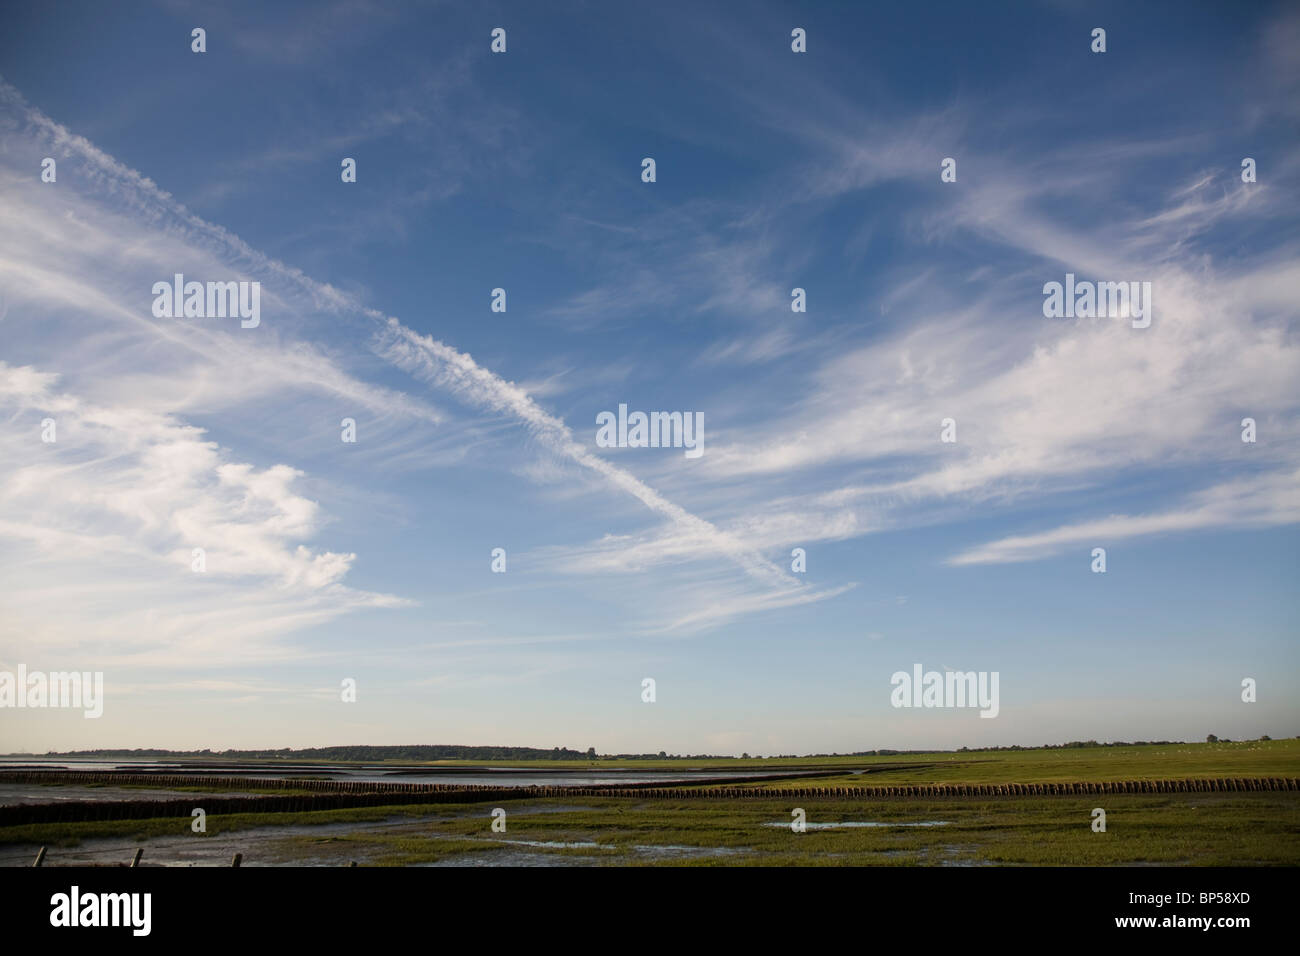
(429, 360)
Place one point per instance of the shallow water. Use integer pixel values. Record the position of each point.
(848, 824)
(457, 776)
(258, 845)
(533, 853)
(16, 793)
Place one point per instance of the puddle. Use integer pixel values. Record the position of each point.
(658, 849)
(511, 858)
(558, 844)
(532, 853)
(951, 856)
(670, 850)
(849, 824)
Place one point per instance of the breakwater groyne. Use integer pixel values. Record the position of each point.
(345, 794)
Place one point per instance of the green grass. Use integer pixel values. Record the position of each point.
(1244, 759)
(1272, 758)
(382, 849)
(71, 834)
(1221, 829)
(1195, 829)
(1209, 829)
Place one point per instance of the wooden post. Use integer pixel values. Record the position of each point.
(139, 852)
(39, 857)
(237, 859)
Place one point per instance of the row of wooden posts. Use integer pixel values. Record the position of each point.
(167, 781)
(380, 794)
(336, 794)
(237, 859)
(170, 780)
(139, 852)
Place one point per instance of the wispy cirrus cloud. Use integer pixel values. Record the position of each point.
(224, 371)
(1272, 499)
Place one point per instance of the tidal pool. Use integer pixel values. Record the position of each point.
(851, 823)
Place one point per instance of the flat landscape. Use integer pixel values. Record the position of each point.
(1242, 825)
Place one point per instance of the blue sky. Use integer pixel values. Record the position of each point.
(476, 429)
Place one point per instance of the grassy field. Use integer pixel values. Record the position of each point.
(1271, 758)
(1185, 829)
(1245, 758)
(1193, 829)
(1236, 830)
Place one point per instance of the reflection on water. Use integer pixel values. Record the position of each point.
(559, 845)
(849, 823)
(533, 853)
(454, 776)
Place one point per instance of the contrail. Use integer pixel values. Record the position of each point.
(440, 364)
(426, 358)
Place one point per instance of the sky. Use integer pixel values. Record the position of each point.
(371, 561)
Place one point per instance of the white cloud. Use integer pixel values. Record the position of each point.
(1249, 502)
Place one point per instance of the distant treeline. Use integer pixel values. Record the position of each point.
(1074, 744)
(427, 752)
(357, 753)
